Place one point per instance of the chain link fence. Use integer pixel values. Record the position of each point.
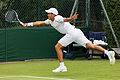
(34, 10)
(97, 16)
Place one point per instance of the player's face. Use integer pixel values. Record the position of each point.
(51, 16)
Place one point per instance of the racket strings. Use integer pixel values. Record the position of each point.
(11, 16)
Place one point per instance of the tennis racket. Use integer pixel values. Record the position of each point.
(12, 16)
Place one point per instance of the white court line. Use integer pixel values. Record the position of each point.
(35, 77)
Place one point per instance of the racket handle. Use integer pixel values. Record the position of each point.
(21, 22)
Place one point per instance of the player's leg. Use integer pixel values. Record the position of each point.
(110, 54)
(66, 40)
(94, 47)
(81, 39)
(58, 48)
(62, 67)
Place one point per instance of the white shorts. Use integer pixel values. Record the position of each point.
(76, 36)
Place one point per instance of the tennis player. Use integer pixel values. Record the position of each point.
(72, 34)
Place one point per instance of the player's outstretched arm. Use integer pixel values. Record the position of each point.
(37, 23)
(74, 17)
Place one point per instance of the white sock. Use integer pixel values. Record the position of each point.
(106, 52)
(61, 64)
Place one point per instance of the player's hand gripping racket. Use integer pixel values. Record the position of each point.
(12, 16)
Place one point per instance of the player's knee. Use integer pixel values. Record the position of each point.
(57, 46)
(90, 46)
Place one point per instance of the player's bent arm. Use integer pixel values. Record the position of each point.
(68, 19)
(72, 18)
(37, 23)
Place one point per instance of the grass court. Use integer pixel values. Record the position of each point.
(96, 69)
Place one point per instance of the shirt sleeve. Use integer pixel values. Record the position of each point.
(59, 18)
(47, 21)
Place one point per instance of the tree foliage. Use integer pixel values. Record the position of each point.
(113, 11)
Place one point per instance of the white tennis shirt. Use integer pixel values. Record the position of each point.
(60, 25)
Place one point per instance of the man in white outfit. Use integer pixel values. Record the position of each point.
(72, 34)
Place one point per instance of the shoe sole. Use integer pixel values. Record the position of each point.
(59, 71)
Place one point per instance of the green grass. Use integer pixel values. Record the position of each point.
(77, 69)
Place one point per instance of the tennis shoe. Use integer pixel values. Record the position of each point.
(60, 69)
(111, 56)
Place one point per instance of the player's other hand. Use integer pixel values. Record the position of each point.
(75, 16)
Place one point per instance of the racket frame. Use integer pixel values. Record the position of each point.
(16, 17)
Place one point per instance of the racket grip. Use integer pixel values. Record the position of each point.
(21, 22)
